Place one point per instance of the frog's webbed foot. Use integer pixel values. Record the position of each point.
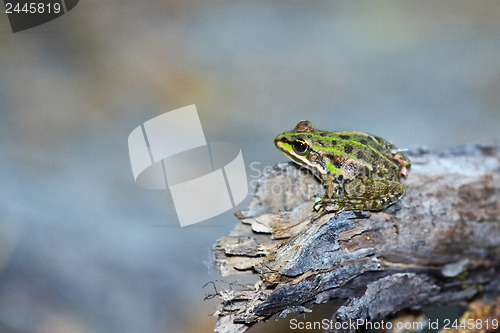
(324, 205)
(344, 209)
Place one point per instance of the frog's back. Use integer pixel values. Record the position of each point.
(368, 146)
(361, 138)
(372, 151)
(353, 148)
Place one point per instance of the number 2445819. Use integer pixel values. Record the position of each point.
(32, 8)
(471, 324)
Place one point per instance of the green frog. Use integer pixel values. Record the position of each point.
(359, 170)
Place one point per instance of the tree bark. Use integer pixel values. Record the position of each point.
(439, 244)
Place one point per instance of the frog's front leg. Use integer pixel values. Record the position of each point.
(332, 186)
(333, 191)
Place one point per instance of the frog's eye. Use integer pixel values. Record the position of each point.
(300, 147)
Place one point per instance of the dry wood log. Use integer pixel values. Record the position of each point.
(439, 244)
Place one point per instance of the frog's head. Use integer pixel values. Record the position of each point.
(297, 144)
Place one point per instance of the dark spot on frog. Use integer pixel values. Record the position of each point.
(309, 136)
(334, 142)
(323, 134)
(337, 163)
(360, 189)
(363, 141)
(321, 143)
(348, 148)
(360, 155)
(374, 155)
(344, 137)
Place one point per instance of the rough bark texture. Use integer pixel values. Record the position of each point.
(439, 244)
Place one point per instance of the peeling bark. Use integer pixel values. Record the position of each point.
(439, 244)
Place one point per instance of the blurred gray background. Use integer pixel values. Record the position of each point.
(83, 249)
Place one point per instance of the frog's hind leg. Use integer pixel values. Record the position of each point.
(373, 194)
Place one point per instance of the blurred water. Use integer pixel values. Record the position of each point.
(85, 250)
